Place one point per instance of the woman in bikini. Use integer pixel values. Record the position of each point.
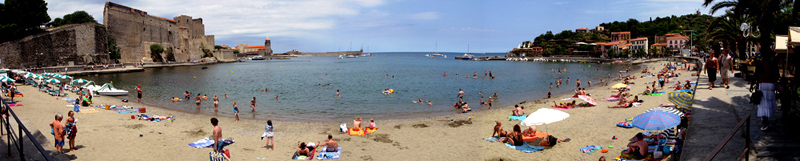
(216, 103)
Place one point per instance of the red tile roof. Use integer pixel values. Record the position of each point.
(581, 29)
(623, 32)
(678, 38)
(639, 39)
(163, 18)
(259, 47)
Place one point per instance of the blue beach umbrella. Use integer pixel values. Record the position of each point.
(656, 120)
(680, 99)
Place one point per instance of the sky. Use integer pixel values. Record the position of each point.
(390, 25)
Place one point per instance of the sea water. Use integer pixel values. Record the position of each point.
(301, 84)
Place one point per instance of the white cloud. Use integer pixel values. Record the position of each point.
(424, 16)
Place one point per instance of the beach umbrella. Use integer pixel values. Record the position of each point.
(544, 116)
(680, 99)
(80, 81)
(64, 77)
(6, 79)
(54, 81)
(656, 120)
(668, 109)
(619, 85)
(588, 99)
(47, 74)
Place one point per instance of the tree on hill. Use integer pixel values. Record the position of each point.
(155, 52)
(19, 18)
(113, 50)
(72, 18)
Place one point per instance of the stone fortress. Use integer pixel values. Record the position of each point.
(134, 31)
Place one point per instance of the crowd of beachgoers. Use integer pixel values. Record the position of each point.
(628, 91)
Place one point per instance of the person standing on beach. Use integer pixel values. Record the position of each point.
(197, 100)
(58, 132)
(72, 130)
(712, 64)
(217, 135)
(253, 104)
(235, 111)
(268, 133)
(216, 102)
(139, 94)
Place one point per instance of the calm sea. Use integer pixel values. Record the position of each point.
(360, 82)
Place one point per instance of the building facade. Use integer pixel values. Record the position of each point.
(639, 43)
(134, 31)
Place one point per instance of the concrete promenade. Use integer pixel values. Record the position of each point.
(716, 112)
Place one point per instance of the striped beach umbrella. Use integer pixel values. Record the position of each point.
(6, 79)
(52, 80)
(63, 77)
(680, 99)
(80, 81)
(668, 109)
(47, 74)
(656, 120)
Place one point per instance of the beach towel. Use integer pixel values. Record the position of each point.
(125, 111)
(329, 155)
(492, 139)
(356, 132)
(71, 101)
(525, 147)
(207, 143)
(654, 94)
(568, 107)
(368, 130)
(88, 111)
(611, 99)
(15, 105)
(518, 117)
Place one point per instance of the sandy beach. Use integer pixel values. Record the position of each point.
(107, 135)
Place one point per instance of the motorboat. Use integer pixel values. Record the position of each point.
(109, 90)
(351, 56)
(467, 56)
(340, 57)
(258, 58)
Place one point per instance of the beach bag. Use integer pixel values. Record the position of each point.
(755, 98)
(219, 156)
(343, 128)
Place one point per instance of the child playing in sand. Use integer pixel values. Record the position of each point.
(372, 124)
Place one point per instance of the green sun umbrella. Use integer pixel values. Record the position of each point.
(6, 79)
(80, 81)
(52, 80)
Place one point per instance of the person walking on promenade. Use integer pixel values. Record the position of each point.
(767, 76)
(712, 64)
(726, 68)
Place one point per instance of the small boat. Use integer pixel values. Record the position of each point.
(467, 56)
(351, 56)
(340, 57)
(204, 68)
(91, 86)
(109, 90)
(258, 58)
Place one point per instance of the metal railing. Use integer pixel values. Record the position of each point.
(746, 154)
(17, 138)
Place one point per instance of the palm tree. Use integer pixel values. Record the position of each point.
(764, 10)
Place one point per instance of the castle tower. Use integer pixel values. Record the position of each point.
(268, 47)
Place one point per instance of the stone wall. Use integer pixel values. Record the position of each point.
(224, 54)
(76, 44)
(135, 30)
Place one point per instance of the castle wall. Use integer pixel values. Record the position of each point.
(135, 30)
(78, 44)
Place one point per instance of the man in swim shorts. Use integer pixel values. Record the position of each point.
(332, 146)
(217, 133)
(58, 132)
(139, 94)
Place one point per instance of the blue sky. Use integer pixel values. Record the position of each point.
(390, 25)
